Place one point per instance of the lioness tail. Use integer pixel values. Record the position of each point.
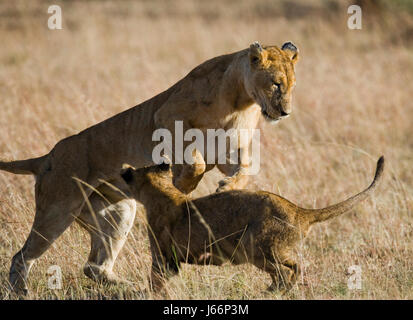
(29, 166)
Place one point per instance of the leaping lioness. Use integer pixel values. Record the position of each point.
(219, 93)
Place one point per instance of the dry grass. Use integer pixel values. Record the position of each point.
(353, 102)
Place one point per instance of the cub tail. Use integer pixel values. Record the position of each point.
(319, 215)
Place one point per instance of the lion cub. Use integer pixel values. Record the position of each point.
(239, 226)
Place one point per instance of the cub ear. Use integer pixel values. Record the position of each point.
(291, 50)
(257, 54)
(164, 166)
(127, 174)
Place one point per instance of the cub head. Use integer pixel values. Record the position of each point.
(136, 178)
(271, 78)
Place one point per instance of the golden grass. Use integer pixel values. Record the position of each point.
(353, 102)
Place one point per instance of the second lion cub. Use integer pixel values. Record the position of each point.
(241, 226)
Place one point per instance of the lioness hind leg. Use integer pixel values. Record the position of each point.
(58, 202)
(108, 226)
(48, 225)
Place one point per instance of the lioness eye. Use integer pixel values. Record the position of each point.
(276, 84)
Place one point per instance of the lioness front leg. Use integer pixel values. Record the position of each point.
(188, 171)
(187, 176)
(236, 178)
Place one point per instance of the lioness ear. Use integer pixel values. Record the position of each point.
(257, 54)
(291, 50)
(127, 174)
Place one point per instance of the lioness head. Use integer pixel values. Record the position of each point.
(271, 78)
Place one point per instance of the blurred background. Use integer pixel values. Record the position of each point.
(353, 102)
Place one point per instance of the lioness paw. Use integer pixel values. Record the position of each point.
(225, 185)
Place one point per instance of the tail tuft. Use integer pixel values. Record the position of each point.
(379, 169)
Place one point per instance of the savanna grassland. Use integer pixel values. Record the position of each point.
(353, 102)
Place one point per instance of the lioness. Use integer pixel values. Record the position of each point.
(261, 228)
(219, 93)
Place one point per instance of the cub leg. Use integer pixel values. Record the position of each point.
(161, 272)
(283, 272)
(283, 279)
(162, 267)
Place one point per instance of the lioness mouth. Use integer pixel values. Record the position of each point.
(268, 117)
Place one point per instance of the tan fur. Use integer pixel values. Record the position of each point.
(219, 93)
(240, 226)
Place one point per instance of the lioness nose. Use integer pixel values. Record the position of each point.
(283, 113)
